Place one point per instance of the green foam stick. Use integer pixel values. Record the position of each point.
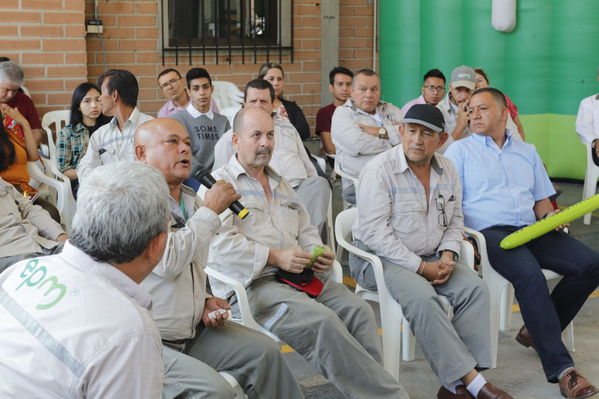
(543, 226)
(316, 252)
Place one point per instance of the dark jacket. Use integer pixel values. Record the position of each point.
(297, 118)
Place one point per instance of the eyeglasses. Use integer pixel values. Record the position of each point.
(435, 88)
(440, 202)
(170, 83)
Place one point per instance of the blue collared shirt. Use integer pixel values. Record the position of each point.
(500, 185)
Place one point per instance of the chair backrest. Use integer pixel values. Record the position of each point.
(355, 181)
(226, 94)
(53, 122)
(343, 224)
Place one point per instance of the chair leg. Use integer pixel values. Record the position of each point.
(569, 337)
(408, 342)
(505, 315)
(590, 186)
(391, 316)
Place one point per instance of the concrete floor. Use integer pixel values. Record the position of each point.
(519, 370)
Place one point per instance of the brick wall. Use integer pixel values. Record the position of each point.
(53, 49)
(49, 45)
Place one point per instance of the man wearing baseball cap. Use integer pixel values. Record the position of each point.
(454, 105)
(411, 217)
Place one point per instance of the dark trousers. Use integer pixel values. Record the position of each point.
(546, 314)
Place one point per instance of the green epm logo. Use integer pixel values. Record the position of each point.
(35, 276)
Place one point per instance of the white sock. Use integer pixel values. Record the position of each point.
(453, 385)
(476, 385)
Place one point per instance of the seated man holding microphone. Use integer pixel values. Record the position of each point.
(197, 341)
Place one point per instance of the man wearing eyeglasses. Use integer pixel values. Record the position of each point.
(172, 85)
(410, 215)
(433, 90)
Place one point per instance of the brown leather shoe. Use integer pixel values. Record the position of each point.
(525, 339)
(575, 386)
(488, 391)
(461, 393)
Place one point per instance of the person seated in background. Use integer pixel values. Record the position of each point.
(114, 141)
(455, 104)
(289, 156)
(505, 187)
(72, 140)
(363, 127)
(587, 123)
(11, 80)
(340, 88)
(204, 126)
(196, 346)
(174, 88)
(514, 124)
(77, 324)
(17, 148)
(433, 90)
(410, 215)
(26, 230)
(274, 74)
(334, 330)
(23, 89)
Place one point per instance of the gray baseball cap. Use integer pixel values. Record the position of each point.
(463, 76)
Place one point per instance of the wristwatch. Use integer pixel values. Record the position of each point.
(382, 133)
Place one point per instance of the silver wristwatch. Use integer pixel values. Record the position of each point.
(382, 133)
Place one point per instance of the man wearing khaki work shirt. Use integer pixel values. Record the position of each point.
(334, 330)
(410, 215)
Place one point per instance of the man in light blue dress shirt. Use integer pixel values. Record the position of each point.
(505, 187)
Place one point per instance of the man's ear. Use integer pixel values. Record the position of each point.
(443, 136)
(156, 248)
(140, 152)
(235, 140)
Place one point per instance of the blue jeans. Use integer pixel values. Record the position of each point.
(546, 314)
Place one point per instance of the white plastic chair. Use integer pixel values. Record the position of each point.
(330, 226)
(344, 175)
(234, 384)
(55, 121)
(590, 181)
(247, 319)
(228, 98)
(63, 192)
(396, 331)
(501, 294)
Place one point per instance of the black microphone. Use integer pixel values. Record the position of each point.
(204, 177)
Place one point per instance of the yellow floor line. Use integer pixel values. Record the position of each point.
(347, 280)
(286, 349)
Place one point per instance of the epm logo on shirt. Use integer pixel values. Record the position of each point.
(34, 275)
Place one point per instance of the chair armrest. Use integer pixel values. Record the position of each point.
(337, 272)
(244, 306)
(481, 244)
(467, 254)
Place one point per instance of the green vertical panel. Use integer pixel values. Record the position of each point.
(399, 30)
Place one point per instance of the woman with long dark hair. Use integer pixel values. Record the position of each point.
(273, 72)
(86, 117)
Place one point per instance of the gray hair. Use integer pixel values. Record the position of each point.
(121, 207)
(10, 72)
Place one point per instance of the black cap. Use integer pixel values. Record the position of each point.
(426, 115)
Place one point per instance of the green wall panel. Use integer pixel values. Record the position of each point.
(546, 65)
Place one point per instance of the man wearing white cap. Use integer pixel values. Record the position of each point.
(455, 104)
(415, 226)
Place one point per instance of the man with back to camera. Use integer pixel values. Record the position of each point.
(587, 123)
(77, 324)
(433, 89)
(334, 330)
(363, 127)
(114, 141)
(340, 88)
(505, 187)
(196, 346)
(289, 156)
(410, 216)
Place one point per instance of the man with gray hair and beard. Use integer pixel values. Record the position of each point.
(77, 324)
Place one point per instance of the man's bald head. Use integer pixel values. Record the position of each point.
(164, 144)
